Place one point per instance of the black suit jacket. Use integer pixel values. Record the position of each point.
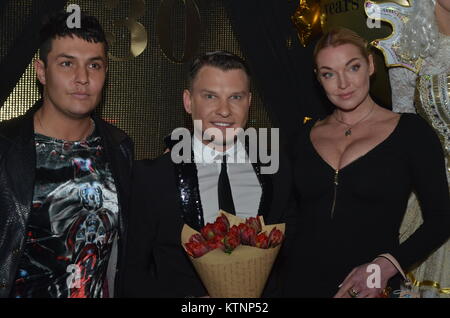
(165, 196)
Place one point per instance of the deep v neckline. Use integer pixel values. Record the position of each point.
(373, 149)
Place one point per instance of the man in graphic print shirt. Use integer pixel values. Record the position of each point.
(64, 174)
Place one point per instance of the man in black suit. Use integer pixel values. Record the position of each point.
(216, 174)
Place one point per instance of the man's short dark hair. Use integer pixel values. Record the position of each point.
(221, 59)
(56, 26)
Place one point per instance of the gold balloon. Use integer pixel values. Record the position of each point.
(307, 19)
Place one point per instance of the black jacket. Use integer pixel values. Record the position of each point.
(165, 197)
(17, 178)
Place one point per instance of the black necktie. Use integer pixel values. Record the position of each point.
(224, 189)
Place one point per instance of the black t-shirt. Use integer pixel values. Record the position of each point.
(72, 224)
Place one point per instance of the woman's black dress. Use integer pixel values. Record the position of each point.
(350, 216)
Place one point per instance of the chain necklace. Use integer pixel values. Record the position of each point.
(348, 132)
(89, 131)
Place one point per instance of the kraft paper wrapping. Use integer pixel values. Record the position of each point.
(241, 274)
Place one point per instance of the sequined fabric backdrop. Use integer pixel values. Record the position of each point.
(147, 70)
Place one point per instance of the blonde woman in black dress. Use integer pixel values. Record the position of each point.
(354, 172)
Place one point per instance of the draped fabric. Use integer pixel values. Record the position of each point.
(19, 21)
(282, 69)
(283, 73)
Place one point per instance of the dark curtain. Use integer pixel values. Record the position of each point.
(25, 40)
(282, 73)
(2, 4)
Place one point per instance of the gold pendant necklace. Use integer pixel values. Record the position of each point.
(348, 132)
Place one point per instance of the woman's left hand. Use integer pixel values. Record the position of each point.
(356, 284)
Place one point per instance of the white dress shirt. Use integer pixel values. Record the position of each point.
(245, 186)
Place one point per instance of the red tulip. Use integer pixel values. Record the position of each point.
(242, 227)
(275, 237)
(216, 242)
(197, 249)
(248, 236)
(234, 230)
(225, 224)
(219, 228)
(197, 238)
(254, 223)
(262, 240)
(231, 241)
(208, 231)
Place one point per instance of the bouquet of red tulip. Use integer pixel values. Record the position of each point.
(232, 256)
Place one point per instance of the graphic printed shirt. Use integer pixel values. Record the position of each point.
(73, 222)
